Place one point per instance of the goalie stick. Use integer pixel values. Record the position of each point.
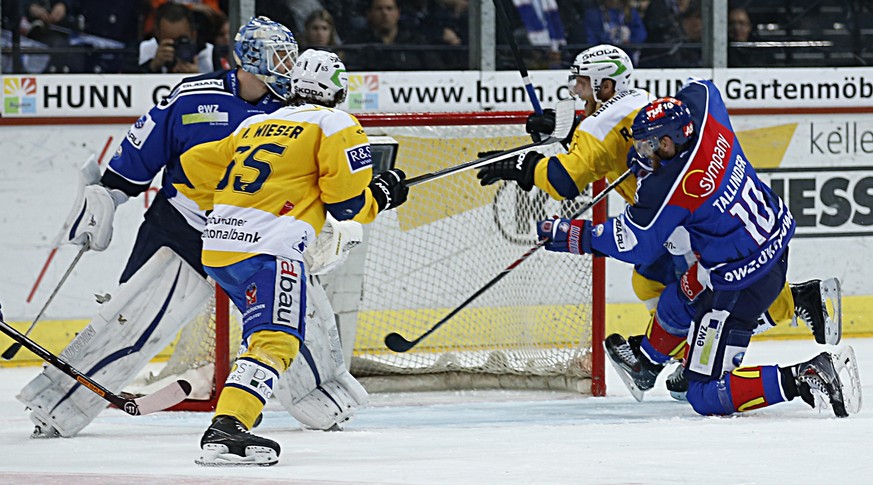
(565, 118)
(398, 343)
(163, 398)
(15, 347)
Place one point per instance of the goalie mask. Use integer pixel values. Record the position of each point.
(268, 50)
(603, 62)
(320, 77)
(662, 117)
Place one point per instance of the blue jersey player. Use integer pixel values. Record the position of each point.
(699, 189)
(164, 283)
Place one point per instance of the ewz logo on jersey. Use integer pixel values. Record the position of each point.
(359, 157)
(287, 310)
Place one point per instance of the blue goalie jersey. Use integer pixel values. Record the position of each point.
(200, 109)
(736, 224)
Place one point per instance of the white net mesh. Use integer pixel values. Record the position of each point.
(531, 329)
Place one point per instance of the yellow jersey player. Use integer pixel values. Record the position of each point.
(601, 77)
(286, 171)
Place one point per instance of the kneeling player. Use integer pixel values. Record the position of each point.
(288, 170)
(699, 181)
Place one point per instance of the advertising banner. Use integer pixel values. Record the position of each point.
(132, 95)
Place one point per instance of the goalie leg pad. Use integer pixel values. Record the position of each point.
(128, 331)
(317, 390)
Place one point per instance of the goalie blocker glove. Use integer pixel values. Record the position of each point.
(520, 169)
(389, 189)
(91, 222)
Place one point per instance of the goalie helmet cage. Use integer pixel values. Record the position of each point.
(538, 328)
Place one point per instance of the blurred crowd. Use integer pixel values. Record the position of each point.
(189, 36)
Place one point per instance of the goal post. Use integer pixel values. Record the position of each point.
(540, 327)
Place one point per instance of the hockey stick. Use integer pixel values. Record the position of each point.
(519, 62)
(163, 398)
(398, 343)
(63, 231)
(565, 118)
(15, 347)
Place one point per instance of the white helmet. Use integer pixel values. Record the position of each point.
(603, 62)
(321, 77)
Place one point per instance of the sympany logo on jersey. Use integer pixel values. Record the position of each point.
(140, 131)
(289, 306)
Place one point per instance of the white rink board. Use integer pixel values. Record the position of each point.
(38, 179)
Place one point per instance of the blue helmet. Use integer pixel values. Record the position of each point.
(662, 117)
(268, 50)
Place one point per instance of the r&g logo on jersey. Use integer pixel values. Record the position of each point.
(359, 157)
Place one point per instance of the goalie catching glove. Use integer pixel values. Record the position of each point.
(520, 169)
(566, 235)
(389, 189)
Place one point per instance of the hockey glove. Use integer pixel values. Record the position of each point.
(389, 189)
(639, 165)
(565, 235)
(520, 169)
(90, 220)
(540, 126)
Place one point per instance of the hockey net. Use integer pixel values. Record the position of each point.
(538, 328)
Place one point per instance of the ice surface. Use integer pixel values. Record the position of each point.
(476, 438)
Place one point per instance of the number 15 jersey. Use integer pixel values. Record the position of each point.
(274, 177)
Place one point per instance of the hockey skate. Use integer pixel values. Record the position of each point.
(831, 379)
(636, 371)
(228, 443)
(677, 384)
(810, 305)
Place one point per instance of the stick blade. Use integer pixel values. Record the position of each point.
(11, 351)
(163, 398)
(565, 118)
(397, 343)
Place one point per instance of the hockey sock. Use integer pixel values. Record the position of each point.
(782, 309)
(250, 383)
(755, 387)
(661, 346)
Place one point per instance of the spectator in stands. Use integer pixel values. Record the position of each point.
(149, 21)
(319, 31)
(174, 47)
(220, 39)
(615, 22)
(348, 15)
(42, 17)
(740, 30)
(300, 10)
(442, 23)
(663, 30)
(385, 30)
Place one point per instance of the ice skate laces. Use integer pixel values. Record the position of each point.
(627, 356)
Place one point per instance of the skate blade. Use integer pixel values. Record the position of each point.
(847, 369)
(218, 455)
(635, 391)
(830, 290)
